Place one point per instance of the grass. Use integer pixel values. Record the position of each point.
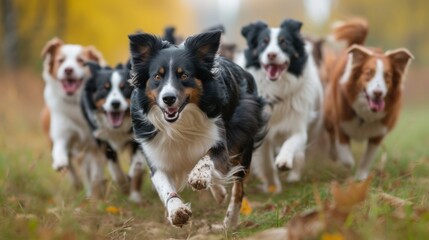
(38, 203)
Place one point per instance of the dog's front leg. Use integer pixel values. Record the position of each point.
(295, 144)
(209, 171)
(206, 170)
(60, 154)
(179, 213)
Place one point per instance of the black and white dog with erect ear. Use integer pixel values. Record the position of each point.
(197, 117)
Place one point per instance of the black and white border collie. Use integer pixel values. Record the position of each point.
(287, 78)
(197, 117)
(106, 107)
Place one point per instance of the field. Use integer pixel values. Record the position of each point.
(38, 203)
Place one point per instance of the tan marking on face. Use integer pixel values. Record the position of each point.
(161, 71)
(151, 94)
(179, 70)
(194, 94)
(99, 104)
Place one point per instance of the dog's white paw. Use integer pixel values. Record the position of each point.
(293, 177)
(60, 163)
(362, 175)
(135, 197)
(348, 162)
(284, 162)
(178, 213)
(200, 177)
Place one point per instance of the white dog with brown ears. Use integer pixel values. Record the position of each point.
(64, 73)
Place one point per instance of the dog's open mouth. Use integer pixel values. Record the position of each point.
(115, 118)
(171, 114)
(71, 85)
(274, 71)
(375, 104)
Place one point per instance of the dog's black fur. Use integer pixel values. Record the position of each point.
(225, 91)
(291, 42)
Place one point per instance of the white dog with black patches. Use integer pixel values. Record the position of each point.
(287, 77)
(64, 74)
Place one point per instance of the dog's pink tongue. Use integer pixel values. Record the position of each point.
(376, 105)
(273, 71)
(70, 86)
(115, 118)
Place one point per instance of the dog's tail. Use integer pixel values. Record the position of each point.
(353, 31)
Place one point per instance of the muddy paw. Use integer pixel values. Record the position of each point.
(180, 216)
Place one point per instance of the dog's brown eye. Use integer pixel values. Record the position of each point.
(107, 85)
(122, 85)
(61, 60)
(387, 75)
(184, 77)
(266, 40)
(157, 77)
(282, 40)
(80, 61)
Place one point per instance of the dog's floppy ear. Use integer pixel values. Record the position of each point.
(119, 66)
(51, 46)
(93, 67)
(143, 47)
(94, 55)
(204, 46)
(359, 54)
(292, 24)
(400, 58)
(251, 32)
(48, 50)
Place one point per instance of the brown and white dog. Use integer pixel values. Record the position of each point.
(363, 95)
(64, 74)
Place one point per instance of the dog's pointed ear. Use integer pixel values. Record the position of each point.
(250, 33)
(292, 24)
(143, 46)
(93, 67)
(94, 55)
(204, 45)
(400, 58)
(359, 54)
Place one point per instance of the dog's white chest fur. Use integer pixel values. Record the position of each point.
(178, 146)
(116, 137)
(67, 120)
(291, 100)
(367, 124)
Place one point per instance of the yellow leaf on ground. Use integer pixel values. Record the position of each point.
(332, 236)
(272, 188)
(112, 210)
(245, 209)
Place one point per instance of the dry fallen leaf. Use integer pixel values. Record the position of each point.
(245, 209)
(112, 210)
(332, 236)
(329, 216)
(346, 198)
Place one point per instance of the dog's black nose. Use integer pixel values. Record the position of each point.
(68, 71)
(272, 56)
(169, 99)
(116, 104)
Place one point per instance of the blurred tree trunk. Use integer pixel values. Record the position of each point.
(10, 41)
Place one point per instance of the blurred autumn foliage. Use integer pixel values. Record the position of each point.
(27, 24)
